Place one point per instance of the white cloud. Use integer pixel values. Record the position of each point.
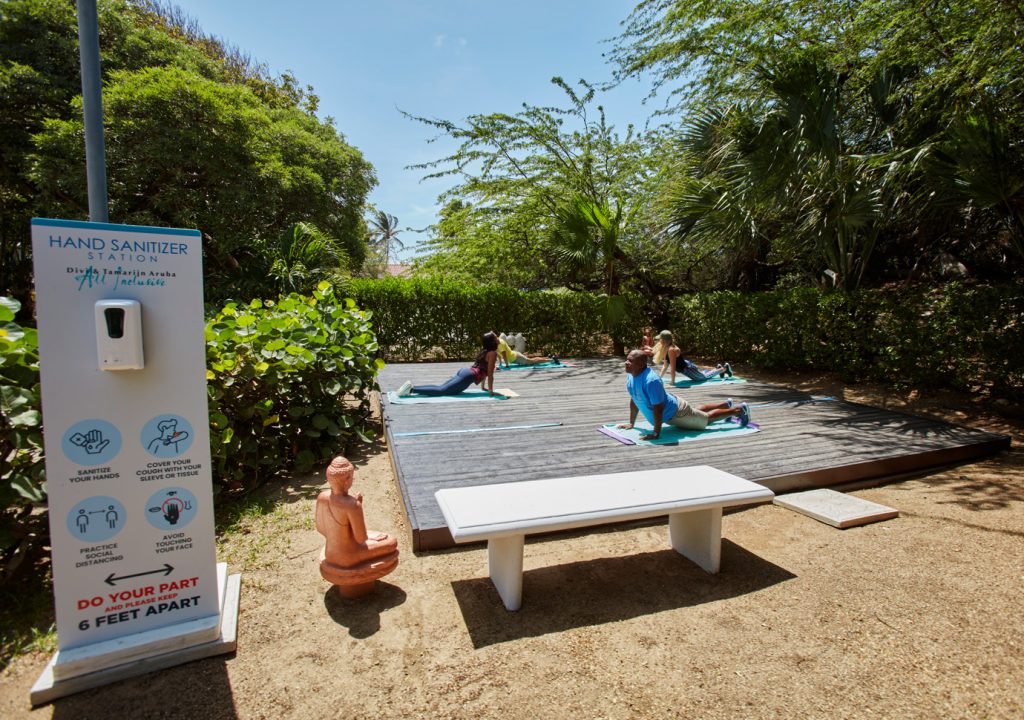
(439, 40)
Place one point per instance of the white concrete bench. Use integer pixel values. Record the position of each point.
(503, 514)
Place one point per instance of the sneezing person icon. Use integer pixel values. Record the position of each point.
(167, 435)
(169, 439)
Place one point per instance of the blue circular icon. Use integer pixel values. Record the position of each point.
(96, 519)
(167, 436)
(91, 442)
(171, 508)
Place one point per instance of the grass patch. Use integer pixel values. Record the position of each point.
(253, 531)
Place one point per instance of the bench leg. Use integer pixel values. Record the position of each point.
(505, 566)
(698, 535)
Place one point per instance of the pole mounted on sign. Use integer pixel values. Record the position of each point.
(92, 109)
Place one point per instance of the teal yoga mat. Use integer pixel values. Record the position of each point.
(539, 366)
(464, 396)
(687, 382)
(673, 435)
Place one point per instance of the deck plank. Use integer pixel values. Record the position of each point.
(803, 443)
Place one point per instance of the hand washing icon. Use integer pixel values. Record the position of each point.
(92, 442)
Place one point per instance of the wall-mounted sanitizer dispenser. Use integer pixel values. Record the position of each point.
(119, 335)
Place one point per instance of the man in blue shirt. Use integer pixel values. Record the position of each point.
(647, 394)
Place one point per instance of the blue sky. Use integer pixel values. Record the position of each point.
(433, 58)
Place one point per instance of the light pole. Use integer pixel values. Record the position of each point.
(92, 109)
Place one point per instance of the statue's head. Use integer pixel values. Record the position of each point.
(339, 474)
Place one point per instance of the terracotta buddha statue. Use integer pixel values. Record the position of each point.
(353, 558)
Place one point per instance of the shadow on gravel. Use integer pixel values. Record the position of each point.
(607, 590)
(200, 689)
(362, 615)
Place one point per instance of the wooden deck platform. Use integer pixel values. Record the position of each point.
(805, 442)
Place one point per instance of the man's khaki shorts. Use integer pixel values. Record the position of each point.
(688, 417)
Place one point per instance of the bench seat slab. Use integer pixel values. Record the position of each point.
(481, 512)
(504, 513)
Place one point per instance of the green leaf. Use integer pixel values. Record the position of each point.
(29, 418)
(9, 307)
(27, 488)
(12, 332)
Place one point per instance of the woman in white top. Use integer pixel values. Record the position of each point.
(668, 356)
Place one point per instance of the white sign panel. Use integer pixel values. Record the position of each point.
(126, 429)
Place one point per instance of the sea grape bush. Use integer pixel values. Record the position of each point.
(289, 384)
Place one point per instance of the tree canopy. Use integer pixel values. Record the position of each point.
(196, 136)
(819, 142)
(548, 197)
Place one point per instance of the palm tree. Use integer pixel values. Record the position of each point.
(976, 164)
(787, 169)
(303, 256)
(587, 235)
(384, 229)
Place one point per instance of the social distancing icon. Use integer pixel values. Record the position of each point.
(96, 519)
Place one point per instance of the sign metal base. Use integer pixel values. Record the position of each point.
(102, 663)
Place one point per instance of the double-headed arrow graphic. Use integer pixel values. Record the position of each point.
(166, 570)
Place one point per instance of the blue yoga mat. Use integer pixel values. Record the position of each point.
(539, 366)
(673, 436)
(687, 382)
(464, 396)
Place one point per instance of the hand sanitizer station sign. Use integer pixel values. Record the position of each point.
(126, 432)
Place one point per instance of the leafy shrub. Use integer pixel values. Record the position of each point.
(21, 440)
(289, 384)
(418, 319)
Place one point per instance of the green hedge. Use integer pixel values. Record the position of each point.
(957, 336)
(437, 319)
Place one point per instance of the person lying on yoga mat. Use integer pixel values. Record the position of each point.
(482, 368)
(647, 395)
(668, 355)
(509, 356)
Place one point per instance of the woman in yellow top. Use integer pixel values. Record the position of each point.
(509, 356)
